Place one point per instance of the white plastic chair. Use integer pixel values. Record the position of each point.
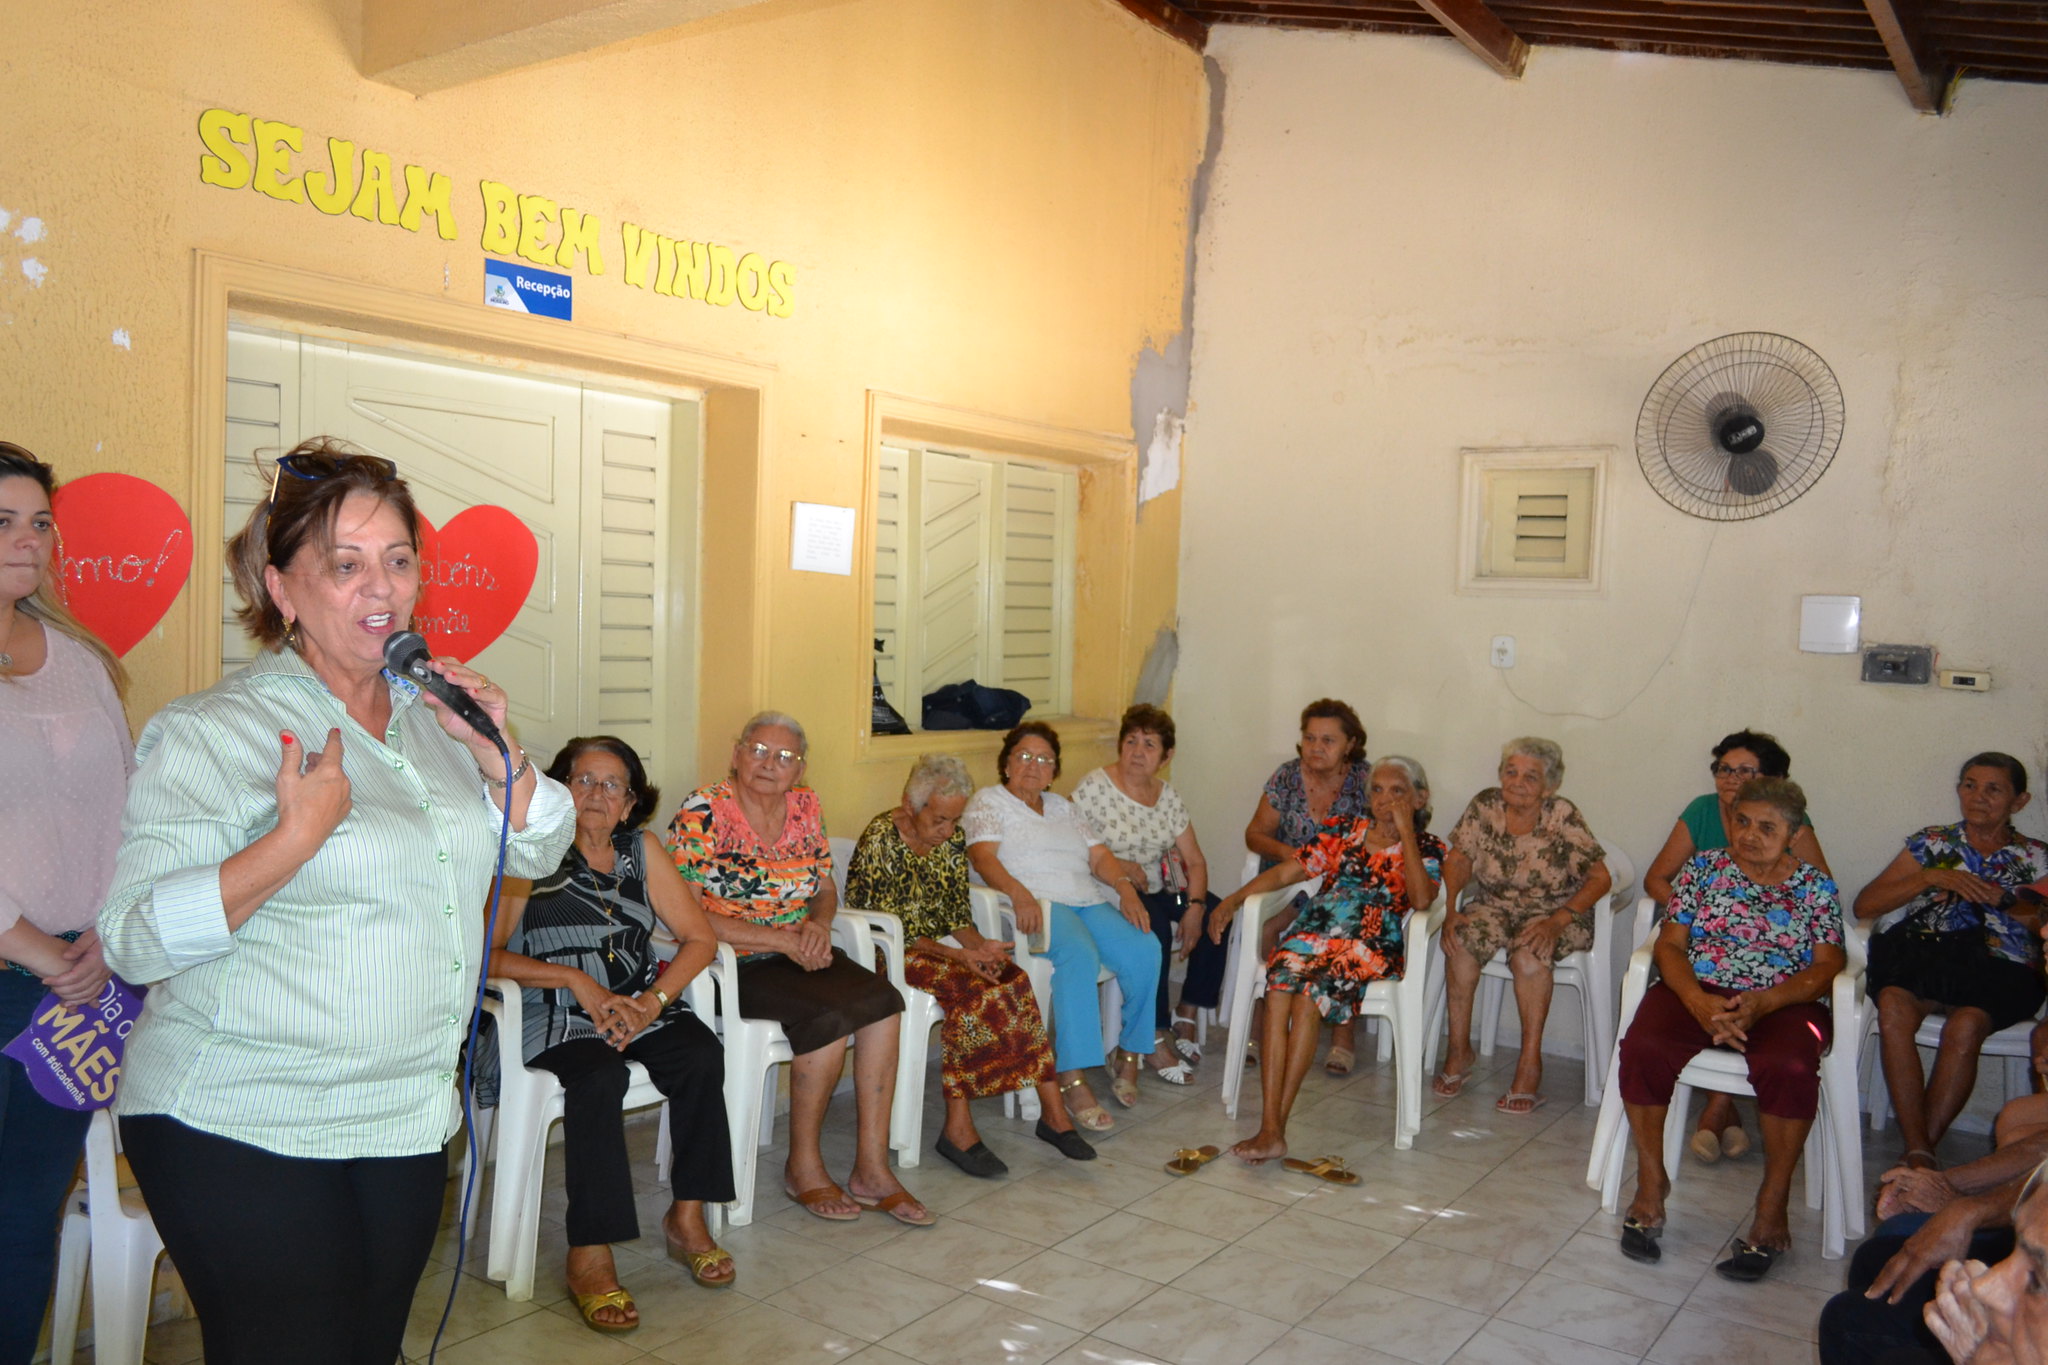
(921, 1012)
(1587, 973)
(1399, 1003)
(2014, 1044)
(1834, 1146)
(529, 1103)
(110, 1230)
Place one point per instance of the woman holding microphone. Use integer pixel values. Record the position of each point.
(307, 852)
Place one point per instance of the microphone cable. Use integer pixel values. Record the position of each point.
(476, 1015)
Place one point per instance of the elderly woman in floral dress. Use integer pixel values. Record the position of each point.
(1537, 872)
(911, 861)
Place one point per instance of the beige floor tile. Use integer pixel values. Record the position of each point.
(1095, 1351)
(864, 1234)
(1473, 1283)
(956, 1253)
(878, 1355)
(1588, 1313)
(1524, 1242)
(1190, 1330)
(1030, 1210)
(1698, 1339)
(1206, 1209)
(769, 1259)
(761, 1333)
(1775, 1305)
(1504, 1343)
(542, 1338)
(1066, 1289)
(973, 1331)
(1301, 1347)
(864, 1298)
(173, 1343)
(1139, 1246)
(1254, 1281)
(1304, 1237)
(671, 1304)
(479, 1307)
(1591, 1259)
(1112, 1181)
(1397, 1324)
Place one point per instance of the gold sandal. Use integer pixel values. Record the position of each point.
(589, 1304)
(701, 1261)
(1123, 1089)
(1094, 1118)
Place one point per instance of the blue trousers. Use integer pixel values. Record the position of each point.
(40, 1145)
(1085, 938)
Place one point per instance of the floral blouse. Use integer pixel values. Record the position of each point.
(1531, 873)
(1287, 794)
(2020, 862)
(717, 850)
(1364, 892)
(1747, 937)
(927, 891)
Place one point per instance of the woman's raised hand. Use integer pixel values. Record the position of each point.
(485, 693)
(312, 791)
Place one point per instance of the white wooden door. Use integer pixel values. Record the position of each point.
(593, 648)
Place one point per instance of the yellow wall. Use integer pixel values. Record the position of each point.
(984, 201)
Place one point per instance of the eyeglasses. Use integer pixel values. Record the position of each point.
(610, 786)
(761, 753)
(1037, 760)
(312, 468)
(1745, 773)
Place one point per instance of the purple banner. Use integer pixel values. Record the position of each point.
(72, 1053)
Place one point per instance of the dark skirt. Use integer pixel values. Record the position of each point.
(1957, 970)
(814, 1008)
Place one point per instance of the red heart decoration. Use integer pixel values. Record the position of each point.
(124, 549)
(475, 573)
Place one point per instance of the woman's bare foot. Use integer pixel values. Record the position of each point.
(590, 1270)
(1647, 1207)
(1260, 1148)
(1771, 1231)
(880, 1183)
(1460, 1058)
(797, 1182)
(1528, 1076)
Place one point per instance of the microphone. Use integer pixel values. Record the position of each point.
(405, 654)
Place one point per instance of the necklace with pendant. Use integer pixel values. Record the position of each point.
(608, 904)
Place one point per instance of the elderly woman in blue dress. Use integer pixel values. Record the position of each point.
(580, 944)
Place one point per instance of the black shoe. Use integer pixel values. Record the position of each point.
(1071, 1144)
(977, 1160)
(1639, 1241)
(1750, 1262)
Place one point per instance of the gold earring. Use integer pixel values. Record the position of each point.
(291, 635)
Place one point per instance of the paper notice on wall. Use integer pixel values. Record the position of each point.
(821, 538)
(1161, 469)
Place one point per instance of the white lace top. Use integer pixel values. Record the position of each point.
(1048, 853)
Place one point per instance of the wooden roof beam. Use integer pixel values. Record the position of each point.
(1475, 25)
(1928, 84)
(1170, 19)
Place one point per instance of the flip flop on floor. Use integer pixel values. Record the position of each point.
(1188, 1160)
(823, 1194)
(1639, 1241)
(1750, 1262)
(1520, 1103)
(1445, 1086)
(898, 1206)
(1328, 1168)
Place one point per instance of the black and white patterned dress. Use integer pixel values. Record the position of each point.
(599, 923)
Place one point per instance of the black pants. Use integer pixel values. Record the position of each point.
(289, 1258)
(39, 1150)
(1859, 1331)
(686, 1063)
(1202, 988)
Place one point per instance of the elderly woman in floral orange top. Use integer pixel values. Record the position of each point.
(754, 845)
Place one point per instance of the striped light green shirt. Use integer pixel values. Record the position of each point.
(330, 1023)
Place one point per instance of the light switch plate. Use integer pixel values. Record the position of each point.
(1830, 625)
(1898, 664)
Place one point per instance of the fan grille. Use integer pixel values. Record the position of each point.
(1790, 390)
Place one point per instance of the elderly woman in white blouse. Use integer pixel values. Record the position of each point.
(309, 847)
(1036, 848)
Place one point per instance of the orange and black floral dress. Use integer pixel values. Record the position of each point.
(1349, 936)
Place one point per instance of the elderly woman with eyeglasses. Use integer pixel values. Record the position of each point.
(580, 944)
(911, 862)
(754, 846)
(1536, 872)
(1704, 824)
(1036, 847)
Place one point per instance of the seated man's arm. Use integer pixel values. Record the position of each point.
(1944, 1237)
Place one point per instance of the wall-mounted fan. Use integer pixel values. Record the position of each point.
(1739, 426)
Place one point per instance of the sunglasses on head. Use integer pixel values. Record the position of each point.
(312, 468)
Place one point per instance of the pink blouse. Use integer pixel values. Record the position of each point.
(65, 757)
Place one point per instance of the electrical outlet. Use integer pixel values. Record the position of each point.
(1898, 663)
(1503, 651)
(1966, 679)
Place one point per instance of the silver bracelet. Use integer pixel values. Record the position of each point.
(525, 767)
